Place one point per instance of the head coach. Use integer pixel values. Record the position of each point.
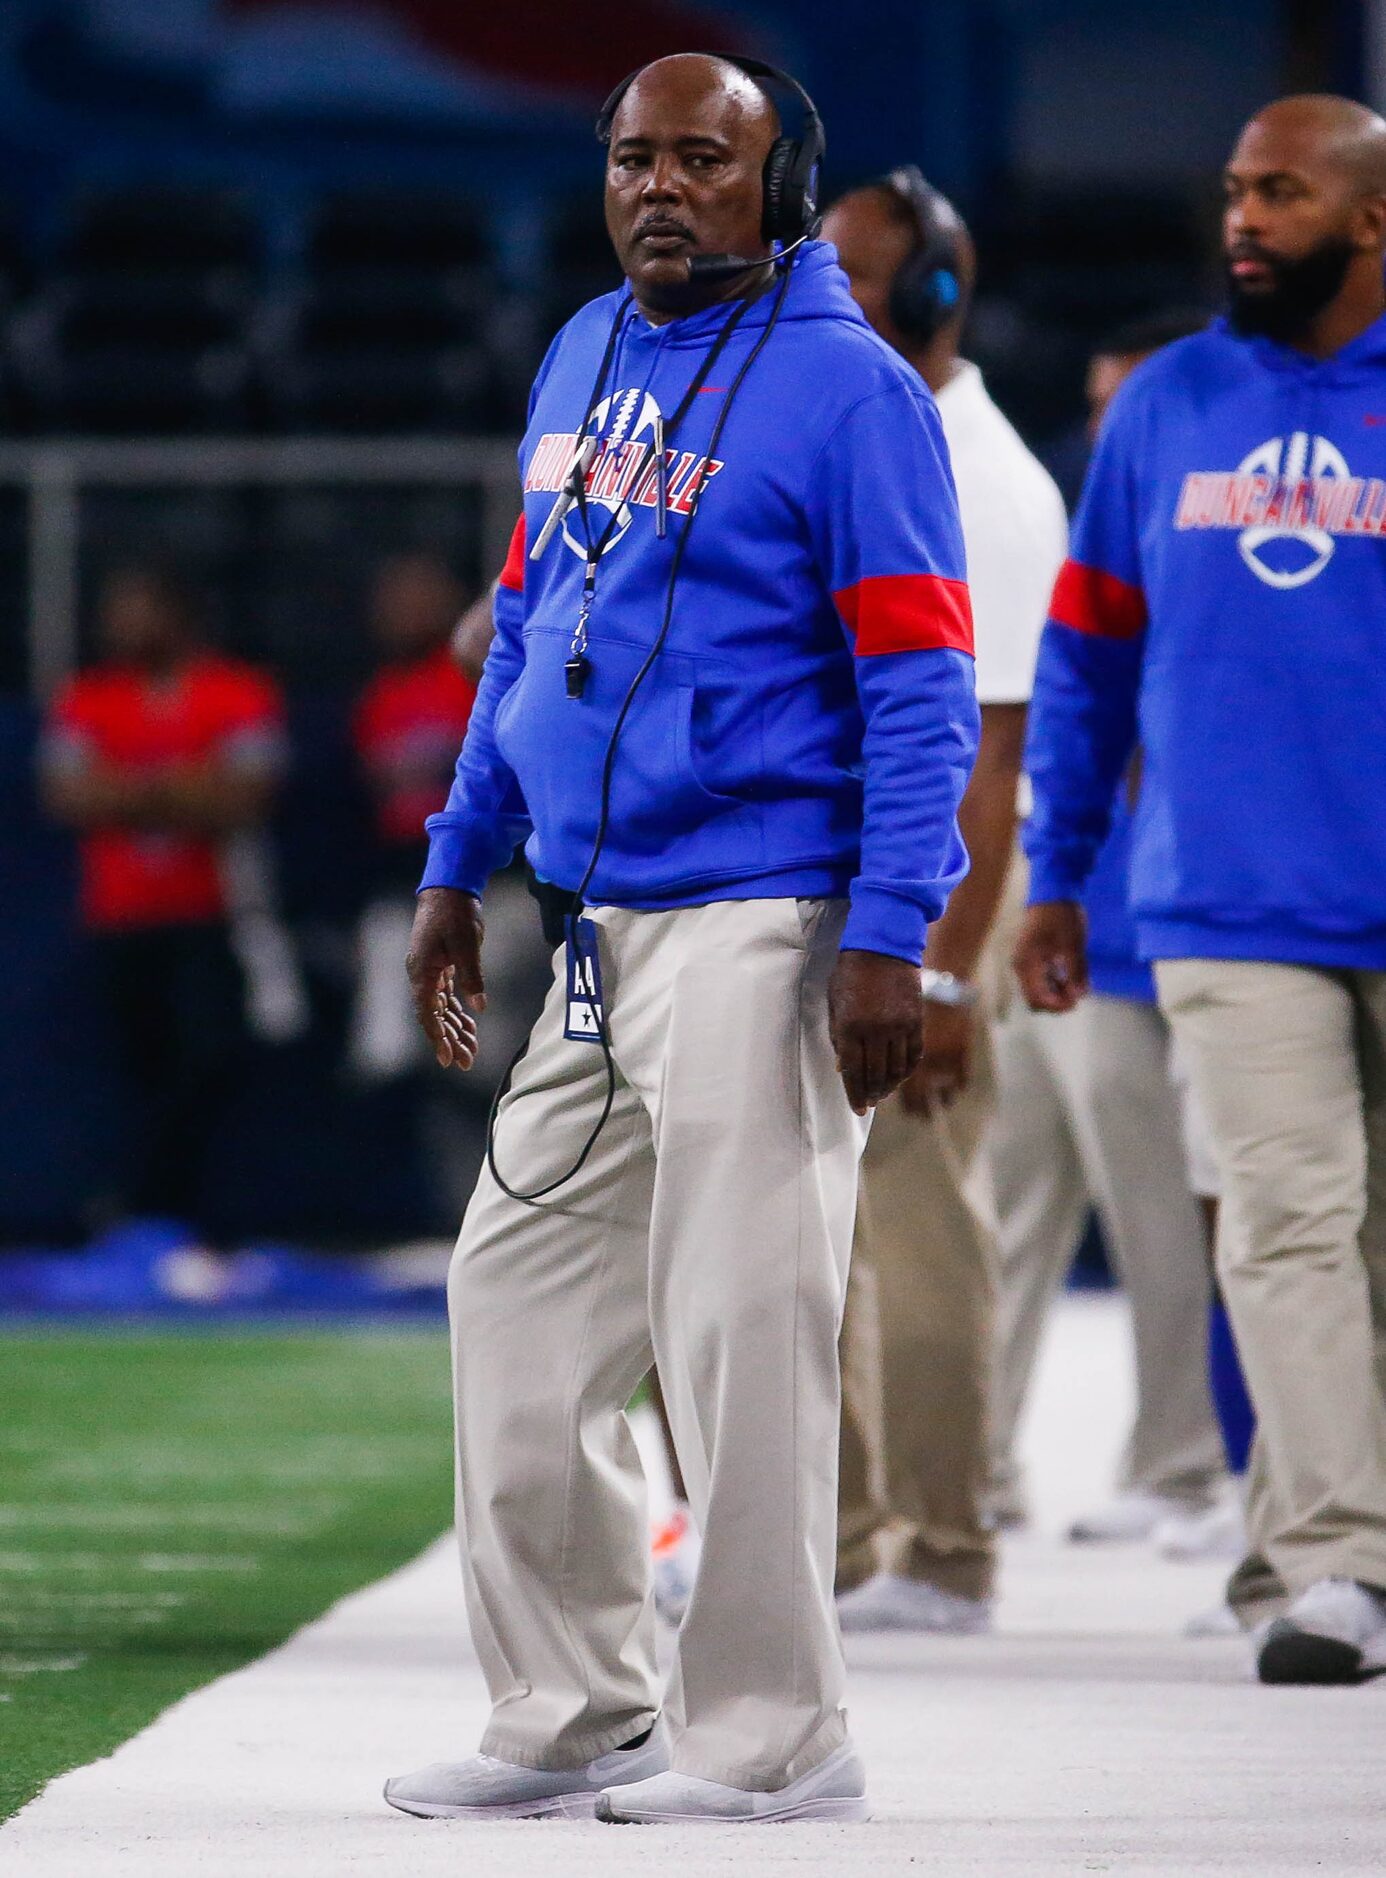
(730, 709)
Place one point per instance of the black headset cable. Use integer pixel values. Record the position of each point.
(609, 761)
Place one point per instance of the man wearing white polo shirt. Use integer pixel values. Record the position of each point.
(915, 1550)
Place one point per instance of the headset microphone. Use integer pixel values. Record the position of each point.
(704, 268)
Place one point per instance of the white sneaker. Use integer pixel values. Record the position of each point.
(1126, 1517)
(485, 1788)
(1219, 1620)
(1212, 1532)
(1333, 1632)
(835, 1789)
(889, 1601)
(675, 1549)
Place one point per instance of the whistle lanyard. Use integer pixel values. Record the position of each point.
(578, 666)
(696, 486)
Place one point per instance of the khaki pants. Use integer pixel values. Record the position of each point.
(1088, 1112)
(709, 1230)
(1290, 1065)
(916, 1347)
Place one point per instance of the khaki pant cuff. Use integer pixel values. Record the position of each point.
(1197, 1491)
(1340, 1560)
(828, 1739)
(572, 1755)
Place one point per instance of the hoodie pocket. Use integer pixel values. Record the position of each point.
(557, 747)
(657, 792)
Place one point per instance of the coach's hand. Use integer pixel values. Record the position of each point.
(875, 1018)
(944, 1068)
(1051, 955)
(444, 967)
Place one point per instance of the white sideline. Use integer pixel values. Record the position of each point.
(1086, 1736)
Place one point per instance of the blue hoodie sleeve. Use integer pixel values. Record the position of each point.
(485, 819)
(884, 519)
(1082, 723)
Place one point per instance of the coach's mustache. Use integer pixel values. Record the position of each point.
(662, 225)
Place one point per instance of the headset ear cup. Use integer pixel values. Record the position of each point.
(790, 181)
(910, 312)
(924, 295)
(778, 208)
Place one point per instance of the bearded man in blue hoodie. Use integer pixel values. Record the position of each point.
(730, 707)
(1226, 604)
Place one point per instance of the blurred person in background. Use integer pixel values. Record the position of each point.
(1110, 364)
(1217, 1531)
(1225, 603)
(472, 636)
(408, 724)
(159, 756)
(915, 1547)
(1089, 1116)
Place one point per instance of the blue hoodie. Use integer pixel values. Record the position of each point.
(810, 725)
(1115, 969)
(1226, 604)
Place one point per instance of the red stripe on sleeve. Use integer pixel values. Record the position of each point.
(907, 613)
(1093, 602)
(512, 575)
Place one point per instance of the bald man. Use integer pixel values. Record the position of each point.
(730, 708)
(1226, 602)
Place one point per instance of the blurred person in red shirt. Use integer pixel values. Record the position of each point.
(159, 756)
(408, 727)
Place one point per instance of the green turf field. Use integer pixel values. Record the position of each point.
(173, 1505)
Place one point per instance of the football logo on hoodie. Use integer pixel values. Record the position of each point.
(633, 416)
(621, 476)
(1291, 500)
(1310, 549)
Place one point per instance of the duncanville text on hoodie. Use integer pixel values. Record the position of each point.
(1226, 606)
(809, 728)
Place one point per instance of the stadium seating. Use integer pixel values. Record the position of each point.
(378, 351)
(165, 230)
(170, 310)
(387, 327)
(141, 328)
(129, 353)
(579, 263)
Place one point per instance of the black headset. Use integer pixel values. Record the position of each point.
(790, 177)
(927, 290)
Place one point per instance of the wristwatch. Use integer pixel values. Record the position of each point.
(943, 988)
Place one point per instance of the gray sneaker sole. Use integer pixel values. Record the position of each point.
(840, 1809)
(557, 1806)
